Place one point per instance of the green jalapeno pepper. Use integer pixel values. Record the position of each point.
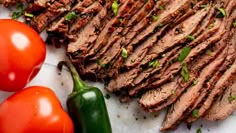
(86, 105)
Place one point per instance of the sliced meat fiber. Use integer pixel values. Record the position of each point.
(141, 14)
(123, 21)
(38, 5)
(89, 33)
(57, 8)
(124, 78)
(162, 66)
(224, 81)
(217, 77)
(145, 73)
(109, 28)
(188, 98)
(208, 87)
(166, 94)
(173, 10)
(117, 42)
(136, 29)
(62, 28)
(140, 56)
(7, 3)
(223, 106)
(159, 79)
(113, 70)
(176, 35)
(60, 31)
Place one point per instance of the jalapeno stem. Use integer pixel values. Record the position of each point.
(79, 84)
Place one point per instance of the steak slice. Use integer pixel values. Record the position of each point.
(187, 99)
(38, 5)
(7, 3)
(223, 82)
(106, 32)
(62, 30)
(211, 85)
(149, 42)
(161, 97)
(58, 8)
(158, 79)
(224, 105)
(162, 65)
(119, 28)
(89, 33)
(176, 36)
(143, 24)
(171, 39)
(115, 59)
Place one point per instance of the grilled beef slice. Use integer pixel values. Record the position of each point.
(127, 42)
(62, 29)
(224, 105)
(176, 35)
(38, 5)
(57, 8)
(7, 3)
(161, 97)
(108, 29)
(89, 33)
(123, 20)
(160, 78)
(187, 99)
(135, 57)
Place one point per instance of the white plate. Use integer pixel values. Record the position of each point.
(125, 118)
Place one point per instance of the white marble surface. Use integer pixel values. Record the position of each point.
(125, 118)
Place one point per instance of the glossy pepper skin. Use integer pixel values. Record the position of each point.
(86, 106)
(35, 109)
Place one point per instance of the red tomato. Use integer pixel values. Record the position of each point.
(34, 110)
(22, 53)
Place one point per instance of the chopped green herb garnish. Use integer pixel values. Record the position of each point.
(234, 23)
(161, 8)
(211, 26)
(231, 98)
(155, 17)
(195, 113)
(121, 20)
(195, 82)
(154, 64)
(221, 13)
(19, 11)
(124, 53)
(69, 16)
(203, 6)
(107, 96)
(133, 60)
(184, 53)
(159, 25)
(190, 37)
(173, 92)
(184, 72)
(209, 52)
(29, 15)
(199, 130)
(100, 63)
(115, 7)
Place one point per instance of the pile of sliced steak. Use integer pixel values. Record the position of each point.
(175, 54)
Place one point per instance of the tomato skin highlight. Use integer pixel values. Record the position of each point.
(22, 53)
(35, 109)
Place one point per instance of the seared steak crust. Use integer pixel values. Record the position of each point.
(169, 53)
